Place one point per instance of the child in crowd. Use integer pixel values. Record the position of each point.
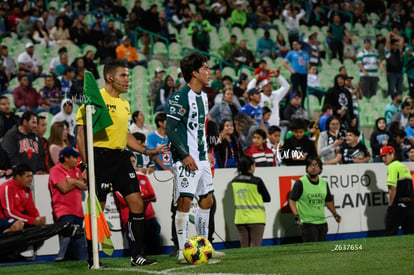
(262, 155)
(410, 154)
(299, 147)
(410, 129)
(327, 112)
(144, 163)
(262, 71)
(274, 143)
(314, 83)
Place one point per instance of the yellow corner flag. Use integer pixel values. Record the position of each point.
(100, 114)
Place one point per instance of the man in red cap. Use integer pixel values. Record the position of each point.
(400, 210)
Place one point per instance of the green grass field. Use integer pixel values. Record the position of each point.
(384, 255)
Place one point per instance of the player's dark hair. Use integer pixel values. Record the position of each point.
(112, 65)
(192, 63)
(21, 169)
(244, 165)
(160, 117)
(273, 129)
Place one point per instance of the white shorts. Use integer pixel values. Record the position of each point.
(196, 184)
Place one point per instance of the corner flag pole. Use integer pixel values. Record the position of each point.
(92, 192)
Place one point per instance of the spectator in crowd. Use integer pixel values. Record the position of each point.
(8, 62)
(63, 64)
(297, 62)
(25, 26)
(4, 80)
(250, 216)
(50, 94)
(227, 48)
(368, 62)
(402, 116)
(294, 110)
(409, 129)
(58, 140)
(129, 27)
(310, 213)
(138, 124)
(409, 68)
(151, 22)
(262, 71)
(24, 146)
(26, 98)
(66, 182)
(144, 164)
(164, 93)
(394, 45)
(337, 33)
(16, 199)
(240, 89)
(253, 108)
(356, 93)
(238, 15)
(227, 150)
(40, 130)
(327, 112)
(6, 170)
(341, 101)
(79, 32)
(90, 65)
(410, 155)
(106, 52)
(55, 61)
(112, 33)
(155, 85)
(119, 11)
(314, 84)
(60, 32)
(66, 81)
(217, 84)
(242, 55)
(331, 139)
(392, 107)
(41, 34)
(266, 47)
(158, 137)
(99, 22)
(244, 127)
(353, 151)
(7, 118)
(400, 210)
(261, 154)
(299, 147)
(274, 143)
(29, 62)
(379, 137)
(127, 52)
(311, 46)
(65, 114)
(292, 16)
(281, 46)
(198, 30)
(225, 109)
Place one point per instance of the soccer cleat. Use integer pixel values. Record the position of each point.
(217, 254)
(181, 259)
(141, 261)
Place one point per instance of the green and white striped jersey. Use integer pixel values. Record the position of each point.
(190, 109)
(369, 61)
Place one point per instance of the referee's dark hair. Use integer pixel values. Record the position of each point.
(21, 169)
(192, 63)
(112, 65)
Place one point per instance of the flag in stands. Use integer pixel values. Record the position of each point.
(104, 233)
(100, 114)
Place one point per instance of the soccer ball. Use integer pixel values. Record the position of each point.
(197, 250)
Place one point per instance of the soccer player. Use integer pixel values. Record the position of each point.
(400, 210)
(307, 201)
(188, 110)
(112, 164)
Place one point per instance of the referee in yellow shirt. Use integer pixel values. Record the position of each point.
(112, 164)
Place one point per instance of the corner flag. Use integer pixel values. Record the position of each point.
(100, 114)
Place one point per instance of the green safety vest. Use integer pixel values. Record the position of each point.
(311, 205)
(248, 203)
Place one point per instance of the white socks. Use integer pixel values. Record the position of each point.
(181, 226)
(201, 220)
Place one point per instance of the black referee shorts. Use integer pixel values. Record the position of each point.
(113, 167)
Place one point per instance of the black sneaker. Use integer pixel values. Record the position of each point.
(141, 261)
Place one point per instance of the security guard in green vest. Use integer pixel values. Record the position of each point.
(249, 194)
(400, 210)
(308, 199)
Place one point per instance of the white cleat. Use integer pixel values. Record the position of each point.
(217, 254)
(181, 259)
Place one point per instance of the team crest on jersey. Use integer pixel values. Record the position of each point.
(184, 183)
(132, 175)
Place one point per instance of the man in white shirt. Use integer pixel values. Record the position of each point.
(29, 62)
